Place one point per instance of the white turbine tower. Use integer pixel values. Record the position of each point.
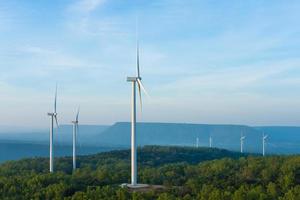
(264, 138)
(75, 132)
(197, 142)
(53, 116)
(242, 142)
(210, 141)
(136, 81)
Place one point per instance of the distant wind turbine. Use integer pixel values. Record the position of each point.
(136, 81)
(210, 141)
(197, 142)
(264, 138)
(75, 132)
(53, 116)
(242, 142)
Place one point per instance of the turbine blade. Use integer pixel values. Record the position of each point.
(55, 99)
(76, 133)
(137, 49)
(77, 128)
(142, 87)
(140, 96)
(266, 137)
(138, 59)
(77, 115)
(78, 141)
(56, 121)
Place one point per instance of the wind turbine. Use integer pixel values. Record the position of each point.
(242, 142)
(210, 141)
(136, 81)
(197, 142)
(264, 138)
(53, 116)
(75, 132)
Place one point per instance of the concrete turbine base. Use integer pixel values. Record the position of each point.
(142, 187)
(136, 186)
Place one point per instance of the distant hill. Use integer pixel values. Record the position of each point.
(87, 135)
(14, 150)
(280, 133)
(224, 136)
(281, 140)
(17, 145)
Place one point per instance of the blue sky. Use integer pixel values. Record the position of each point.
(231, 62)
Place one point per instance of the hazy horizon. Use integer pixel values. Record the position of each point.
(34, 129)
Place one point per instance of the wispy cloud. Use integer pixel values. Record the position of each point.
(201, 61)
(52, 59)
(86, 6)
(82, 19)
(253, 79)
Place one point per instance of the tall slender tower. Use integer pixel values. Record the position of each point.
(133, 134)
(74, 144)
(242, 142)
(51, 142)
(75, 132)
(53, 116)
(135, 82)
(264, 138)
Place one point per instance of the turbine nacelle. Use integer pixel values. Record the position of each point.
(51, 114)
(54, 115)
(133, 79)
(140, 86)
(76, 118)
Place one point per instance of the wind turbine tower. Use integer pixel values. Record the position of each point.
(210, 141)
(135, 81)
(53, 116)
(264, 138)
(75, 132)
(197, 142)
(242, 142)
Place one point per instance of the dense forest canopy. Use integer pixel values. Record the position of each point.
(186, 173)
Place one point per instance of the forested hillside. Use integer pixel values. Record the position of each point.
(186, 173)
